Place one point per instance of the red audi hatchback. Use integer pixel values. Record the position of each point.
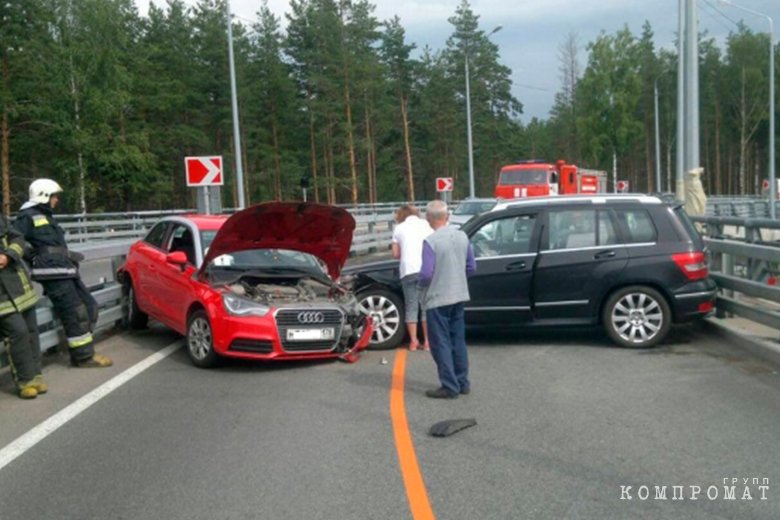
(258, 285)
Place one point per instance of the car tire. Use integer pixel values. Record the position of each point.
(134, 317)
(200, 340)
(637, 317)
(386, 310)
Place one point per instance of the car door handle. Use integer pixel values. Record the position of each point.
(604, 254)
(516, 266)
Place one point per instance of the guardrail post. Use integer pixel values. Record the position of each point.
(727, 268)
(756, 269)
(372, 249)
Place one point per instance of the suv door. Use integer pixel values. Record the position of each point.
(581, 256)
(505, 250)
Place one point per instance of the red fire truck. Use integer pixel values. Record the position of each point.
(537, 178)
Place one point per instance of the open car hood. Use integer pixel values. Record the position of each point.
(317, 229)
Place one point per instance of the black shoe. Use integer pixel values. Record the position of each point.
(440, 393)
(465, 391)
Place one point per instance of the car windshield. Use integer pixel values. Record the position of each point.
(473, 207)
(272, 259)
(206, 238)
(531, 176)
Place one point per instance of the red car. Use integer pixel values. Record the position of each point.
(258, 285)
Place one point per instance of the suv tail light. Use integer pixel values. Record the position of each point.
(692, 264)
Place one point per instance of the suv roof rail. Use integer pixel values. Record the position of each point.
(574, 199)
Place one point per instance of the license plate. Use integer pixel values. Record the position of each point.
(310, 334)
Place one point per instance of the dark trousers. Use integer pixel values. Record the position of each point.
(24, 351)
(447, 335)
(78, 312)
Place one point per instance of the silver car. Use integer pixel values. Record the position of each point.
(469, 208)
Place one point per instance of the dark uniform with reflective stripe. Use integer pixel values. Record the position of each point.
(17, 308)
(56, 268)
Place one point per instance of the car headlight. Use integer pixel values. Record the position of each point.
(238, 306)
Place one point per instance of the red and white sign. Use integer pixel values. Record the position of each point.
(765, 184)
(622, 186)
(444, 183)
(204, 171)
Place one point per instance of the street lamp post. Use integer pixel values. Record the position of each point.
(657, 140)
(234, 103)
(772, 182)
(469, 142)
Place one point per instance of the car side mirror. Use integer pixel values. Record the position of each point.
(177, 258)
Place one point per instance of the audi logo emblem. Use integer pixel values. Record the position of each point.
(311, 317)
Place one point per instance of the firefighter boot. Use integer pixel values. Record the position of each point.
(96, 361)
(27, 390)
(40, 386)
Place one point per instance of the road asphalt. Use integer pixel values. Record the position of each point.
(566, 421)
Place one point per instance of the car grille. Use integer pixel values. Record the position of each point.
(288, 319)
(251, 345)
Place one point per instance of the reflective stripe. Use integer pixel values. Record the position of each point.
(25, 282)
(44, 271)
(80, 341)
(40, 220)
(17, 249)
(20, 303)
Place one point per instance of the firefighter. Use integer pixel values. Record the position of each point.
(56, 268)
(17, 314)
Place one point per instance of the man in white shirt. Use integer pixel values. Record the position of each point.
(408, 238)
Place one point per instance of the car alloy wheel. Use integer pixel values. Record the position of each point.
(384, 308)
(200, 340)
(637, 317)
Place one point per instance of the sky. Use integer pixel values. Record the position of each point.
(533, 30)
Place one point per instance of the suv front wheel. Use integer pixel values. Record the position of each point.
(637, 317)
(386, 310)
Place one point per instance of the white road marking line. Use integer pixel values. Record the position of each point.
(27, 440)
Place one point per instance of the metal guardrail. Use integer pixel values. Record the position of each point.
(86, 228)
(740, 207)
(745, 262)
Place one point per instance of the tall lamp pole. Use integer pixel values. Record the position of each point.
(679, 185)
(469, 142)
(772, 182)
(657, 140)
(234, 102)
(468, 128)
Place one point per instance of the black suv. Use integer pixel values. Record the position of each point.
(632, 263)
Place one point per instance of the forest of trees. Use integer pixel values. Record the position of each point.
(109, 103)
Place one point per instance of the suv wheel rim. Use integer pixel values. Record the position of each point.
(637, 317)
(384, 316)
(199, 338)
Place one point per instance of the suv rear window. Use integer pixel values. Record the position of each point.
(637, 225)
(688, 226)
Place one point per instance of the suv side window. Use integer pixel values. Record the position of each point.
(155, 236)
(504, 236)
(637, 225)
(577, 228)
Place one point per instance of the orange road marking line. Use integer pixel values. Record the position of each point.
(416, 493)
